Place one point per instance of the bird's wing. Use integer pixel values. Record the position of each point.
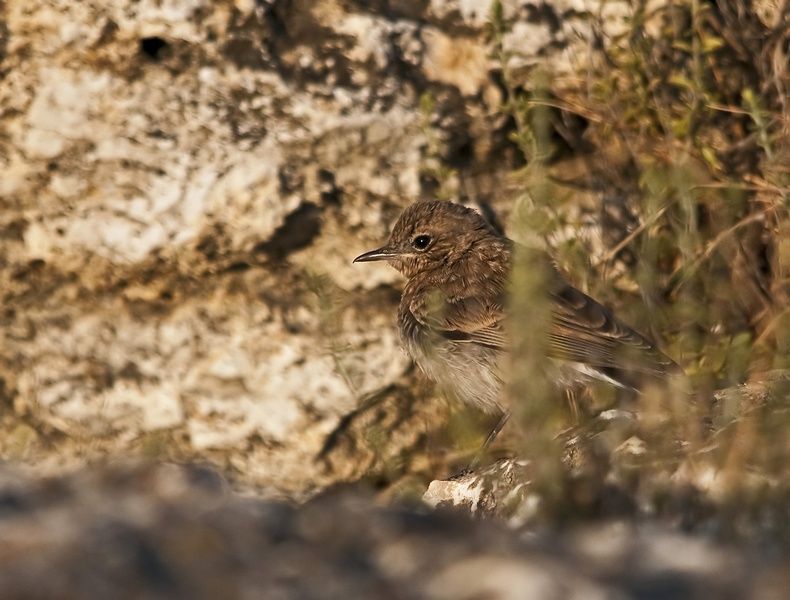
(582, 330)
(464, 319)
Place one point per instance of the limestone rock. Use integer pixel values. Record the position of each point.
(184, 187)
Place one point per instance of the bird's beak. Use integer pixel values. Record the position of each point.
(382, 253)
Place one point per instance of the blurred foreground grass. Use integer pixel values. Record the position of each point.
(661, 181)
(659, 178)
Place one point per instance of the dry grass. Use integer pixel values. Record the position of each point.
(681, 130)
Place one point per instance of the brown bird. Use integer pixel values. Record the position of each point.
(452, 311)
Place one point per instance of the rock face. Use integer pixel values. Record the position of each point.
(175, 532)
(184, 186)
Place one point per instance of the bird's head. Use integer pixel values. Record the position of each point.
(430, 234)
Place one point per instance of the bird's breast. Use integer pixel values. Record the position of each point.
(466, 372)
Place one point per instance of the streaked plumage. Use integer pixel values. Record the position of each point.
(452, 311)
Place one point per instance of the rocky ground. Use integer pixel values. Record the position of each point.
(171, 532)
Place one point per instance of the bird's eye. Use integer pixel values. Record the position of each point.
(421, 242)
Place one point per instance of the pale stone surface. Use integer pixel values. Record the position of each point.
(503, 488)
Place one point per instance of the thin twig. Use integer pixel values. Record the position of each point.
(772, 324)
(729, 109)
(711, 247)
(631, 237)
(568, 108)
(741, 186)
